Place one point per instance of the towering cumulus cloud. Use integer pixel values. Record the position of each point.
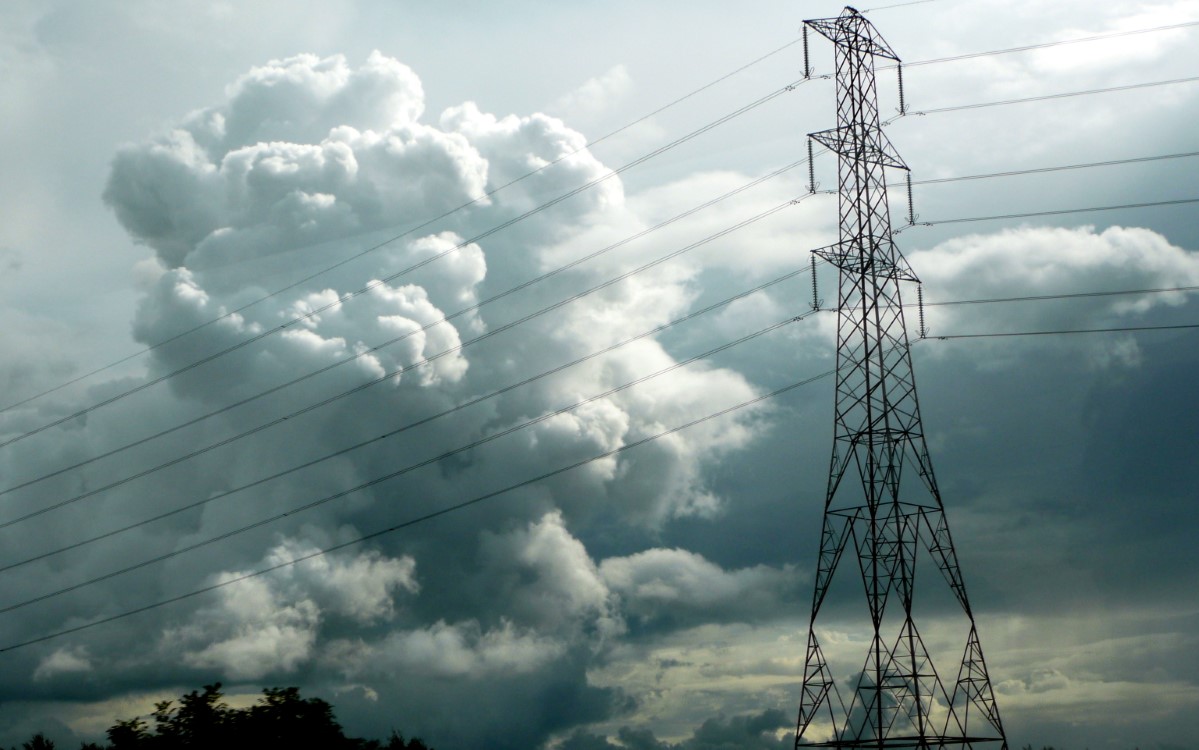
(329, 304)
(499, 609)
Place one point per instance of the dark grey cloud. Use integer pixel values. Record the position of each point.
(510, 597)
(753, 732)
(650, 591)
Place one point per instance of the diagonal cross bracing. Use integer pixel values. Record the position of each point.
(896, 699)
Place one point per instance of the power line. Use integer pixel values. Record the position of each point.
(1004, 174)
(415, 521)
(565, 366)
(1041, 170)
(205, 449)
(411, 425)
(399, 371)
(1074, 295)
(876, 430)
(896, 5)
(662, 434)
(1045, 297)
(400, 472)
(539, 376)
(551, 163)
(546, 475)
(608, 349)
(1065, 331)
(1045, 97)
(1044, 45)
(407, 232)
(366, 352)
(1059, 212)
(420, 264)
(543, 277)
(193, 454)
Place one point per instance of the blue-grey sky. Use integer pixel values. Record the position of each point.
(166, 163)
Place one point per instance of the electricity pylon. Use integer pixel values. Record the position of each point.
(897, 699)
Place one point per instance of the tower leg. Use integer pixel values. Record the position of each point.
(897, 699)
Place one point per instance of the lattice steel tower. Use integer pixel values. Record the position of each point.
(897, 699)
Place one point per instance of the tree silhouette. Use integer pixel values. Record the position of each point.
(200, 720)
(281, 719)
(38, 742)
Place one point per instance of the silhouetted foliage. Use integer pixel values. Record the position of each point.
(38, 742)
(201, 719)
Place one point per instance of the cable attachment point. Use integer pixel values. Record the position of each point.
(807, 70)
(811, 168)
(816, 301)
(923, 331)
(911, 205)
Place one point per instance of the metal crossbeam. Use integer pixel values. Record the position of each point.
(897, 699)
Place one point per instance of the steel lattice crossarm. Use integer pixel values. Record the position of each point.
(885, 521)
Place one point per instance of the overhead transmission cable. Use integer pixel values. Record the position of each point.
(545, 276)
(560, 368)
(1071, 295)
(422, 329)
(399, 371)
(654, 437)
(896, 5)
(1044, 45)
(560, 269)
(399, 472)
(1042, 170)
(1045, 297)
(1120, 329)
(552, 163)
(1046, 97)
(1058, 212)
(419, 519)
(390, 240)
(420, 264)
(532, 480)
(539, 376)
(225, 582)
(411, 425)
(555, 161)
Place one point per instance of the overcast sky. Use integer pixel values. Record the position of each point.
(168, 163)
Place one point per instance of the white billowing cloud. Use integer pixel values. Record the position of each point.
(548, 581)
(1047, 261)
(463, 650)
(208, 196)
(251, 633)
(684, 676)
(547, 599)
(308, 162)
(362, 588)
(301, 98)
(514, 146)
(67, 660)
(264, 186)
(675, 582)
(271, 625)
(388, 313)
(281, 166)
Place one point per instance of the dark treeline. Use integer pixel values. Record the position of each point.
(280, 719)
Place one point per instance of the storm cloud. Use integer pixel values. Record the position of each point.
(353, 218)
